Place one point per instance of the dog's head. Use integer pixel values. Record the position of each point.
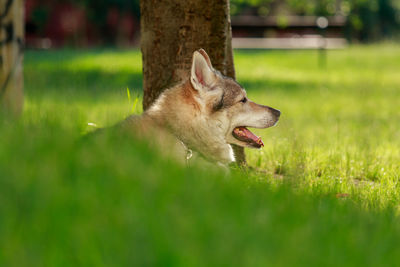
(226, 104)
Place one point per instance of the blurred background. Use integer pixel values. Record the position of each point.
(255, 23)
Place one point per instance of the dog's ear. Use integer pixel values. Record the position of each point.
(202, 75)
(206, 57)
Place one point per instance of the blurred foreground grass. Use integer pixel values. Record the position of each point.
(328, 194)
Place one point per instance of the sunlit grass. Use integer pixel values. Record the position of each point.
(340, 124)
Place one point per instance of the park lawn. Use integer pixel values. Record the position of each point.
(326, 192)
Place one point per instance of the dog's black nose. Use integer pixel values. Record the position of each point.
(276, 112)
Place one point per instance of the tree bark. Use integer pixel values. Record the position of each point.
(171, 31)
(11, 43)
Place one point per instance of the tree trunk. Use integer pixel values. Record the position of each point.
(171, 31)
(11, 42)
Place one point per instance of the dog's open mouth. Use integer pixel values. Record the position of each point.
(243, 134)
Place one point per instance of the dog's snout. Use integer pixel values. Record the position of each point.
(275, 112)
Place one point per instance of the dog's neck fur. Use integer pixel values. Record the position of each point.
(181, 106)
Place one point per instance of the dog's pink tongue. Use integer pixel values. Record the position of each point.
(245, 135)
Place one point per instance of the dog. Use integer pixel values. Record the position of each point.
(206, 113)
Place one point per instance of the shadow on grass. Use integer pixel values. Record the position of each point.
(73, 74)
(53, 74)
(99, 84)
(258, 85)
(91, 83)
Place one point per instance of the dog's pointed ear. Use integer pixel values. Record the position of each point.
(206, 57)
(202, 75)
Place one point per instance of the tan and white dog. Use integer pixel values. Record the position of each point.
(206, 113)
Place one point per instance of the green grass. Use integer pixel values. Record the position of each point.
(327, 193)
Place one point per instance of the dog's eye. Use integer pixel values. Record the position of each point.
(244, 100)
